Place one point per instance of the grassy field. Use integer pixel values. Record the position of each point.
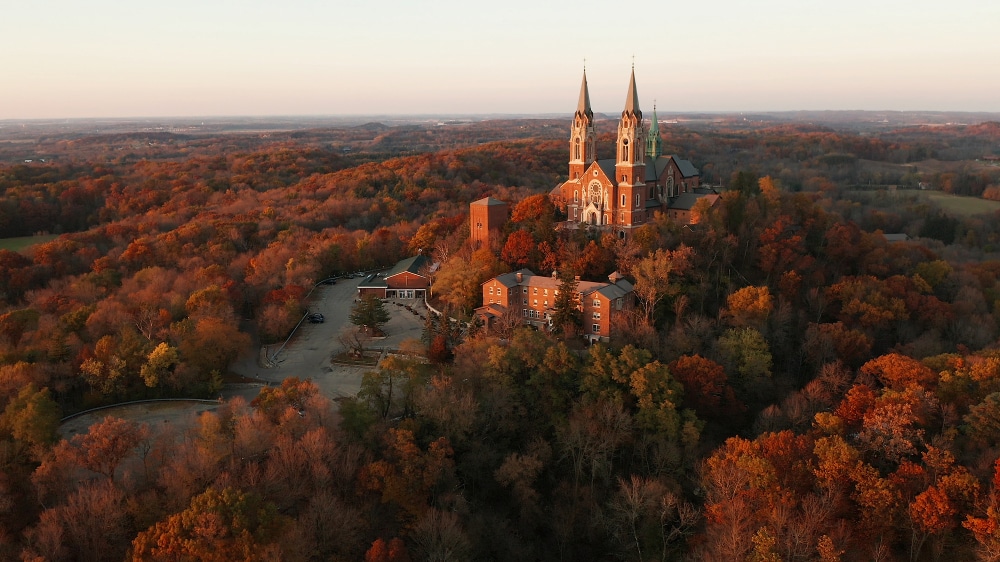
(959, 205)
(19, 244)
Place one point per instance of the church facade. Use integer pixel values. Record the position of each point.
(623, 193)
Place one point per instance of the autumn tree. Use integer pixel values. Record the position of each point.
(219, 525)
(655, 276)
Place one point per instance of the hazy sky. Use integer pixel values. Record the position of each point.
(117, 58)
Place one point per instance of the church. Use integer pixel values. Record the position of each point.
(622, 193)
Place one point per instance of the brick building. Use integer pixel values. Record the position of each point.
(408, 279)
(622, 193)
(532, 298)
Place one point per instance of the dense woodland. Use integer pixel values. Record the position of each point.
(790, 386)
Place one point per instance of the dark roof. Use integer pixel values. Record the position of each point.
(616, 290)
(608, 167)
(654, 168)
(412, 265)
(686, 201)
(488, 201)
(373, 281)
(686, 168)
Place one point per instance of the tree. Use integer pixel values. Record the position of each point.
(161, 362)
(750, 306)
(369, 314)
(32, 417)
(567, 315)
(654, 274)
(520, 250)
(219, 525)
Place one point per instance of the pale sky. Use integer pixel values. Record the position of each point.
(147, 58)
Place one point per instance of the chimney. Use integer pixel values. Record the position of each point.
(520, 277)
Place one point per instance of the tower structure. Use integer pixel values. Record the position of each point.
(583, 135)
(630, 164)
(654, 145)
(487, 216)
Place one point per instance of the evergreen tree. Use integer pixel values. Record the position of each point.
(567, 315)
(369, 314)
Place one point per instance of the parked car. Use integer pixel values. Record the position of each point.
(315, 318)
(328, 282)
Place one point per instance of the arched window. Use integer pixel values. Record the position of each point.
(624, 150)
(624, 201)
(576, 196)
(576, 148)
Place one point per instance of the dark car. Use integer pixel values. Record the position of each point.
(315, 318)
(328, 282)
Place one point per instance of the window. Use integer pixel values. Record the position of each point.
(524, 301)
(618, 302)
(525, 311)
(491, 290)
(556, 292)
(624, 201)
(597, 316)
(534, 302)
(534, 290)
(576, 195)
(636, 200)
(524, 290)
(491, 301)
(545, 292)
(545, 304)
(596, 328)
(597, 303)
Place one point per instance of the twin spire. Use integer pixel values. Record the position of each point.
(631, 99)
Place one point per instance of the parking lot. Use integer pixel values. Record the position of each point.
(308, 355)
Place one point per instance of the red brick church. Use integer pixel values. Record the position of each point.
(623, 192)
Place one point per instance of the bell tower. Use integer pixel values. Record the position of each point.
(582, 134)
(630, 163)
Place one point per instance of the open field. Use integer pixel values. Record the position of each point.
(961, 205)
(21, 243)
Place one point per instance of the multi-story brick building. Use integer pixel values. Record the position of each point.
(622, 193)
(532, 298)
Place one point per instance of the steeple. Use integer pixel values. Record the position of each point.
(583, 135)
(583, 107)
(654, 146)
(632, 98)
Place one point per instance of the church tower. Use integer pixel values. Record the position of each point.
(654, 145)
(583, 135)
(630, 166)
